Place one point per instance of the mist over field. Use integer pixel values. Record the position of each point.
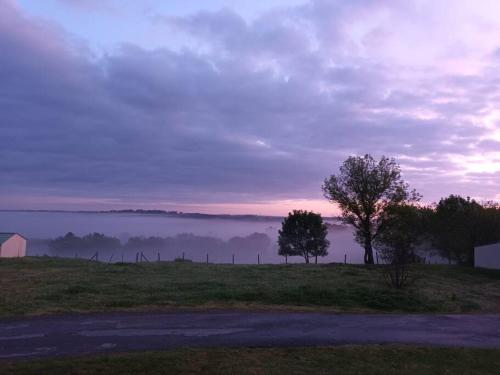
(172, 236)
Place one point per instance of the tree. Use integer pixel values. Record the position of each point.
(62, 245)
(96, 241)
(363, 189)
(303, 234)
(459, 224)
(90, 242)
(401, 229)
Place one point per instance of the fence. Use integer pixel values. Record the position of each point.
(140, 257)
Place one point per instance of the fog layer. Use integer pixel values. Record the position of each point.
(219, 238)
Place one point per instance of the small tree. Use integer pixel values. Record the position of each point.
(401, 229)
(363, 189)
(303, 234)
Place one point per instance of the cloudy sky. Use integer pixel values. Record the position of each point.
(243, 106)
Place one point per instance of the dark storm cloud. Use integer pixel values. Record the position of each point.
(256, 111)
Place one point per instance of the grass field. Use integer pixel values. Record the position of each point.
(385, 360)
(33, 286)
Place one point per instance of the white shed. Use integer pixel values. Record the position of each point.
(12, 245)
(487, 256)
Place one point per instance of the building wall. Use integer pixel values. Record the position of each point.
(13, 247)
(487, 256)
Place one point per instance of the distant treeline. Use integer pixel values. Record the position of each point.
(176, 214)
(71, 244)
(451, 228)
(194, 215)
(455, 225)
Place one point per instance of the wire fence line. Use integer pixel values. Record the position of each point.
(141, 257)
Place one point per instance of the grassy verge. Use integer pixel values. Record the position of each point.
(384, 360)
(43, 285)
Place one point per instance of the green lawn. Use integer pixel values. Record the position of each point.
(44, 285)
(374, 359)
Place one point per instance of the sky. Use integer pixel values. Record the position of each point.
(242, 106)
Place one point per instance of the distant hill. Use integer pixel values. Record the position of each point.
(176, 214)
(195, 215)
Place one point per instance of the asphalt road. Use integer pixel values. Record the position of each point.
(70, 335)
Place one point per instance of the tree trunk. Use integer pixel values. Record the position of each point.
(368, 258)
(306, 257)
(316, 260)
(367, 234)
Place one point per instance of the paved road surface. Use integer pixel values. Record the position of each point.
(69, 335)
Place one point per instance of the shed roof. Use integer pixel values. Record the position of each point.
(5, 236)
(488, 245)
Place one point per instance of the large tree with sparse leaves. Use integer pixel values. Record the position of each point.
(363, 189)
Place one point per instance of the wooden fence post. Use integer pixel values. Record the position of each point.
(258, 258)
(345, 258)
(137, 257)
(158, 256)
(233, 258)
(207, 258)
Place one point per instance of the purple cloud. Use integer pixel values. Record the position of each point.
(247, 111)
